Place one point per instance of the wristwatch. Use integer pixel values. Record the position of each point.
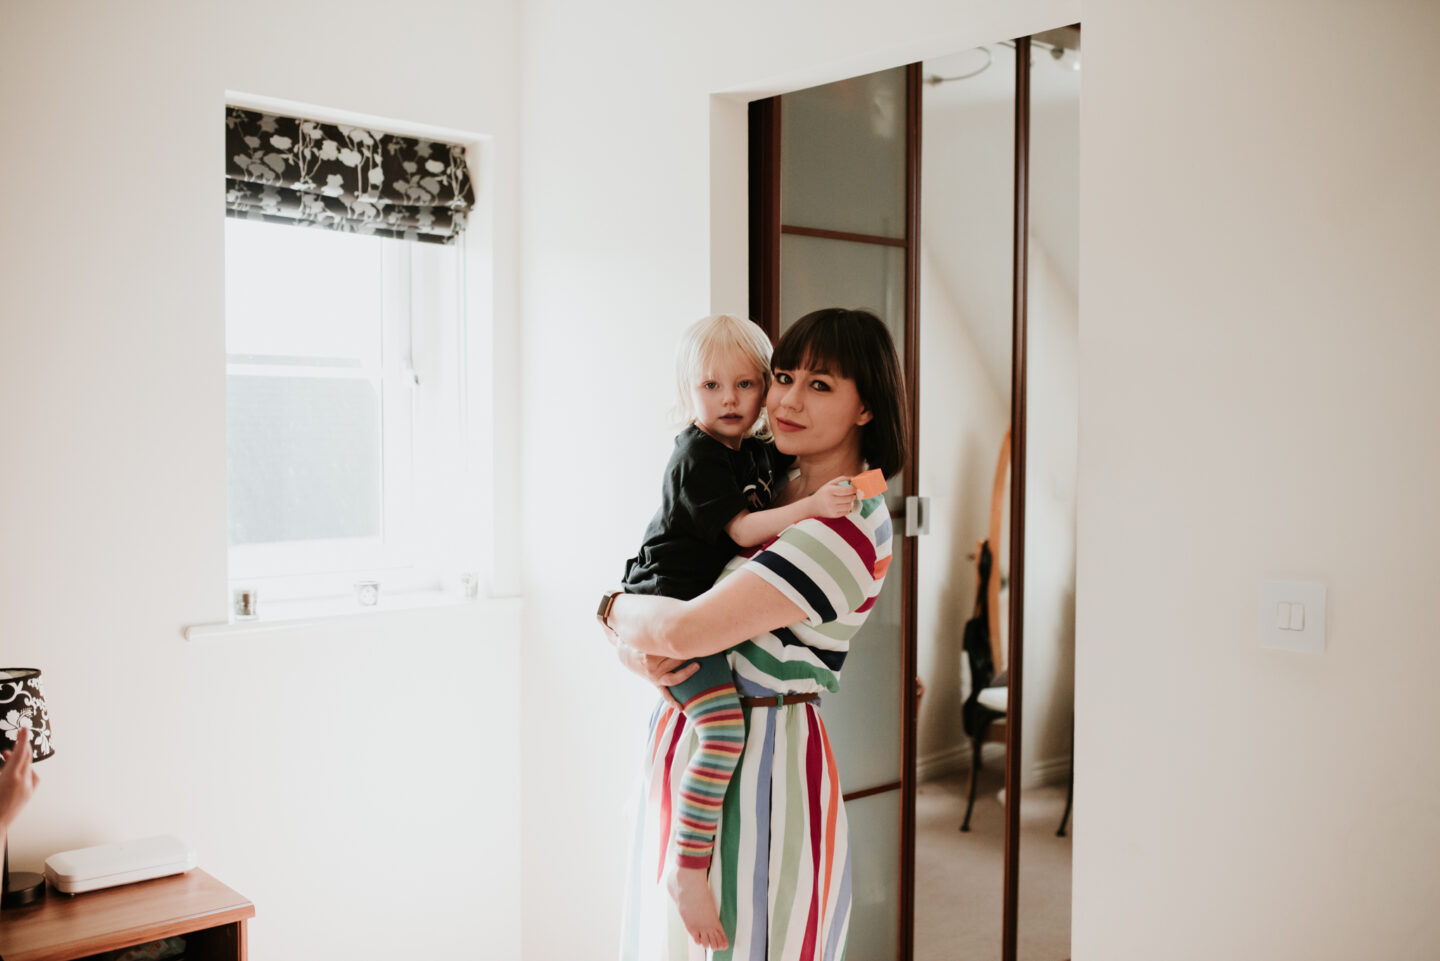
(607, 601)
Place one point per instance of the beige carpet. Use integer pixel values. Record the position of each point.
(959, 878)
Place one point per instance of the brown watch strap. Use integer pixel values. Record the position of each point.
(607, 601)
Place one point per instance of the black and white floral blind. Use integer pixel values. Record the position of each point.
(296, 171)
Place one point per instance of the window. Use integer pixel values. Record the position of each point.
(345, 376)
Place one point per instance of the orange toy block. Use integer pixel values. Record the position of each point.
(870, 483)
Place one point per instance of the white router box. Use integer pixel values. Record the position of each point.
(106, 865)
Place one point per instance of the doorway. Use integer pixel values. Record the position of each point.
(938, 265)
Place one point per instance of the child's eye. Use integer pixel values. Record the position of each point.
(709, 385)
(745, 384)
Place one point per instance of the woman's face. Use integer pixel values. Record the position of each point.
(814, 411)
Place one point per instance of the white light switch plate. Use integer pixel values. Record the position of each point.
(1292, 616)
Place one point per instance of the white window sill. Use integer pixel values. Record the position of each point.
(320, 612)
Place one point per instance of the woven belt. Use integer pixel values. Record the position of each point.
(779, 700)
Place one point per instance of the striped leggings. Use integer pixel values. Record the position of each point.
(712, 707)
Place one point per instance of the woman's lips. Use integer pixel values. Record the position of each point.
(787, 425)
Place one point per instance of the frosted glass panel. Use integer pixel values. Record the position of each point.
(864, 718)
(875, 876)
(304, 458)
(818, 272)
(842, 155)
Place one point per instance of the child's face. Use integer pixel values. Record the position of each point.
(727, 395)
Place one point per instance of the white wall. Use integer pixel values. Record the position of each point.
(963, 416)
(1256, 186)
(1049, 664)
(1258, 360)
(966, 215)
(356, 830)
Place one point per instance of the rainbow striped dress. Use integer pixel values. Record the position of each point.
(781, 870)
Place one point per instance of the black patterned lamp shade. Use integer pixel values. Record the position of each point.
(22, 704)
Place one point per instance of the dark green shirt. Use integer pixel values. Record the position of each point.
(706, 485)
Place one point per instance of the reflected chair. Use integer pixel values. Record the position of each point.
(988, 702)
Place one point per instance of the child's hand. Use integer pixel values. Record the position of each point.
(835, 499)
(17, 780)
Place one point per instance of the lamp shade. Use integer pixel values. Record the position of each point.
(22, 704)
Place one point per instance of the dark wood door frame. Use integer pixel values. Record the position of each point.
(1015, 662)
(910, 546)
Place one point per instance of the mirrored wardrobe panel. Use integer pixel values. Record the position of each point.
(993, 787)
(1048, 695)
(965, 331)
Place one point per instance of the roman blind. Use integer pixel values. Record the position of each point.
(297, 171)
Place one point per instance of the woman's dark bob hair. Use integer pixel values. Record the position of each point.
(855, 344)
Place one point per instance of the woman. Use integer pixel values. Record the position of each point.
(781, 875)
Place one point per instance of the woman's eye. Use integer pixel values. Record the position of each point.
(819, 385)
(781, 377)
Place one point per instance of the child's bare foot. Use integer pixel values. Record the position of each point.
(690, 890)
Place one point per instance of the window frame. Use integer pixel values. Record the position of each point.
(485, 506)
(408, 554)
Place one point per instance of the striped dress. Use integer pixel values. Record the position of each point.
(781, 870)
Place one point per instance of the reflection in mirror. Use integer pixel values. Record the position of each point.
(965, 330)
(1043, 925)
(965, 317)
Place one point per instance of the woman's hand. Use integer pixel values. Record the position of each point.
(835, 499)
(17, 780)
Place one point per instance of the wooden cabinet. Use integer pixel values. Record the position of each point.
(207, 914)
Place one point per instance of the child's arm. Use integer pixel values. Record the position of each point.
(749, 528)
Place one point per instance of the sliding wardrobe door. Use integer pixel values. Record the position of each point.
(1052, 312)
(834, 201)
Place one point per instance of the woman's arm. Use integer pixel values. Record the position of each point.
(734, 610)
(751, 528)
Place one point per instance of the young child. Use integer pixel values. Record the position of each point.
(718, 487)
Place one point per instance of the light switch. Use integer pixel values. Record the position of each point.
(1285, 622)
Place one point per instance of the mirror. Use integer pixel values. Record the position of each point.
(1043, 925)
(967, 173)
(965, 332)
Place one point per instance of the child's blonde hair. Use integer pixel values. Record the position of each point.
(712, 336)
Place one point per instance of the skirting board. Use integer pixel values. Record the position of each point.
(953, 760)
(1055, 770)
(956, 759)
